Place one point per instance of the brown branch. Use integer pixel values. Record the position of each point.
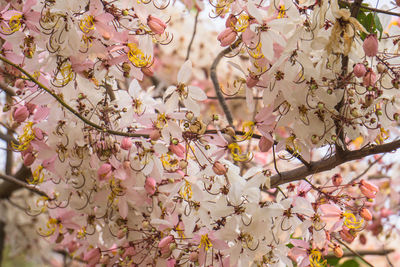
(371, 9)
(382, 252)
(13, 183)
(331, 162)
(355, 253)
(214, 78)
(9, 91)
(193, 35)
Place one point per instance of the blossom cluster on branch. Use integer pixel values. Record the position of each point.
(138, 175)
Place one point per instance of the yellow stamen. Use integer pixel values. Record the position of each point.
(282, 12)
(52, 224)
(256, 53)
(351, 222)
(65, 74)
(236, 152)
(248, 129)
(87, 24)
(316, 259)
(242, 23)
(382, 136)
(37, 176)
(24, 139)
(205, 242)
(14, 24)
(186, 191)
(167, 161)
(137, 57)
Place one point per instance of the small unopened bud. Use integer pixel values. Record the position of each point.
(380, 67)
(230, 131)
(265, 144)
(125, 12)
(338, 251)
(366, 214)
(369, 99)
(21, 114)
(337, 179)
(252, 80)
(370, 45)
(193, 256)
(346, 235)
(369, 78)
(164, 244)
(156, 25)
(92, 257)
(150, 185)
(359, 70)
(189, 115)
(29, 158)
(126, 143)
(183, 164)
(178, 150)
(227, 37)
(230, 21)
(155, 135)
(219, 168)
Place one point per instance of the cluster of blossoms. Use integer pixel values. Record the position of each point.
(136, 180)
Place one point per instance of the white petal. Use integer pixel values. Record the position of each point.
(169, 91)
(134, 88)
(267, 46)
(172, 103)
(185, 72)
(192, 106)
(197, 93)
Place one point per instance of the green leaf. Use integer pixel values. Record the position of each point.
(350, 263)
(333, 261)
(378, 25)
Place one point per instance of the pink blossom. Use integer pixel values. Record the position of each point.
(219, 168)
(150, 185)
(370, 45)
(126, 143)
(164, 244)
(366, 214)
(104, 172)
(156, 25)
(178, 150)
(92, 257)
(369, 78)
(227, 37)
(359, 70)
(29, 158)
(337, 179)
(330, 212)
(21, 114)
(265, 144)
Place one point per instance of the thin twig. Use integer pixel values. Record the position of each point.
(20, 183)
(193, 35)
(383, 252)
(214, 78)
(367, 169)
(355, 253)
(371, 9)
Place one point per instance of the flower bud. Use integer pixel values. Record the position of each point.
(104, 172)
(252, 80)
(193, 256)
(219, 168)
(363, 239)
(156, 25)
(337, 179)
(265, 144)
(178, 150)
(227, 37)
(29, 158)
(21, 114)
(346, 235)
(369, 99)
(385, 212)
(380, 67)
(31, 107)
(164, 244)
(338, 251)
(370, 45)
(126, 143)
(366, 214)
(366, 192)
(369, 78)
(359, 70)
(155, 135)
(150, 185)
(148, 71)
(230, 131)
(92, 257)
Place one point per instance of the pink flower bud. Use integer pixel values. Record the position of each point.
(265, 144)
(155, 135)
(366, 192)
(366, 214)
(104, 172)
(369, 185)
(359, 70)
(150, 186)
(227, 37)
(346, 235)
(178, 150)
(337, 179)
(21, 114)
(38, 133)
(219, 168)
(92, 257)
(369, 78)
(29, 158)
(164, 244)
(384, 211)
(370, 45)
(193, 256)
(31, 107)
(126, 143)
(156, 25)
(338, 251)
